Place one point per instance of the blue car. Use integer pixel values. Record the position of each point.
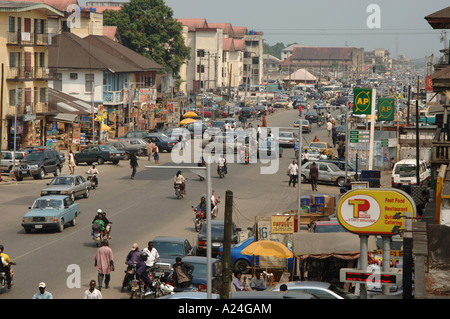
(51, 212)
(244, 263)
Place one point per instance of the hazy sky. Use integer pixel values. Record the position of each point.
(328, 22)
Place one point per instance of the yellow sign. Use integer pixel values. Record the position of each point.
(371, 211)
(282, 224)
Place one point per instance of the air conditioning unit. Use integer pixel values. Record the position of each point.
(27, 75)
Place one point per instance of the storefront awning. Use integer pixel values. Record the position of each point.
(62, 103)
(342, 245)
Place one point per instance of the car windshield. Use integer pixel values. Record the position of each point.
(317, 145)
(329, 229)
(108, 148)
(48, 203)
(334, 167)
(215, 230)
(62, 181)
(341, 292)
(405, 169)
(311, 113)
(218, 124)
(34, 156)
(164, 137)
(168, 248)
(199, 269)
(283, 134)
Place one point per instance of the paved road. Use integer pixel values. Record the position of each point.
(140, 209)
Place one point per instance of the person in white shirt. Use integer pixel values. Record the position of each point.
(293, 173)
(329, 127)
(222, 163)
(152, 254)
(92, 292)
(258, 282)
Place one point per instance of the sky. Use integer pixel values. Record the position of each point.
(396, 25)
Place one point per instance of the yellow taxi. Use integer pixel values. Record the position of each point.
(322, 147)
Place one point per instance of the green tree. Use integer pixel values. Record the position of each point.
(148, 27)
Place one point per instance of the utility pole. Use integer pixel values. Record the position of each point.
(417, 136)
(409, 102)
(1, 114)
(226, 255)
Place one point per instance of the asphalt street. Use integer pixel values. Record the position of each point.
(140, 210)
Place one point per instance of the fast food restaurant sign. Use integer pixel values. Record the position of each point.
(372, 211)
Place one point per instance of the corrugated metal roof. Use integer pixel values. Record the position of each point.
(61, 5)
(321, 53)
(19, 6)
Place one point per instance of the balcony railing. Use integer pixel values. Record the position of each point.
(112, 97)
(28, 38)
(27, 73)
(441, 147)
(26, 108)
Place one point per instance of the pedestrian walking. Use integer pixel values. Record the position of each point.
(334, 136)
(42, 294)
(71, 163)
(341, 148)
(104, 261)
(156, 154)
(150, 147)
(92, 292)
(293, 173)
(313, 176)
(133, 164)
(329, 127)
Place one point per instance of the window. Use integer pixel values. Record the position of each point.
(14, 59)
(73, 76)
(12, 24)
(12, 97)
(57, 82)
(43, 95)
(200, 68)
(89, 82)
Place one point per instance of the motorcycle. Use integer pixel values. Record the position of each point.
(97, 236)
(178, 192)
(93, 179)
(221, 171)
(199, 218)
(319, 123)
(130, 278)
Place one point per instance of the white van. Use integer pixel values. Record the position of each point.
(404, 173)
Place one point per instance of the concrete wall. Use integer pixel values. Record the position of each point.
(439, 237)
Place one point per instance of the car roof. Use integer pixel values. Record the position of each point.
(197, 259)
(314, 284)
(270, 295)
(169, 239)
(53, 197)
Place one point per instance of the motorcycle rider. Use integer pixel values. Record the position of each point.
(5, 265)
(142, 273)
(180, 180)
(94, 172)
(106, 222)
(202, 205)
(98, 223)
(222, 163)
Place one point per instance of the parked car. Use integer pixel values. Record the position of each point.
(51, 212)
(134, 134)
(7, 162)
(99, 154)
(217, 228)
(270, 295)
(280, 102)
(286, 139)
(322, 147)
(164, 142)
(139, 143)
(244, 263)
(199, 274)
(322, 290)
(70, 185)
(171, 247)
(29, 149)
(313, 154)
(123, 147)
(247, 111)
(404, 173)
(311, 116)
(328, 173)
(341, 164)
(269, 149)
(197, 128)
(38, 163)
(190, 295)
(341, 132)
(320, 226)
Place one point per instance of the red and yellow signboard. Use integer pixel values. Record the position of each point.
(371, 211)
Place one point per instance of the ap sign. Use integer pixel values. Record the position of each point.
(372, 211)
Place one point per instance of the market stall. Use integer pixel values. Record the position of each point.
(320, 256)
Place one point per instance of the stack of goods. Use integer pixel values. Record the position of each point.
(316, 207)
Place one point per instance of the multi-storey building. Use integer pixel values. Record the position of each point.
(24, 41)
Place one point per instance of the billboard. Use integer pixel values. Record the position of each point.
(373, 211)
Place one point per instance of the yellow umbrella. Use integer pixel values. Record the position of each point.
(267, 248)
(190, 114)
(105, 127)
(186, 121)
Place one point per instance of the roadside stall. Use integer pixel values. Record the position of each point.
(320, 256)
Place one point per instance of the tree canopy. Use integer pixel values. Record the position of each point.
(148, 27)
